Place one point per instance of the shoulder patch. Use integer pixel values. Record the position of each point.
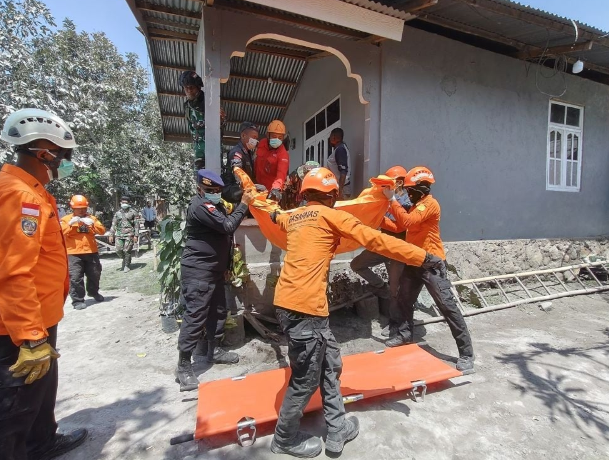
(421, 207)
(30, 209)
(238, 155)
(210, 206)
(29, 225)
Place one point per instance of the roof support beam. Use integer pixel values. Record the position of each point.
(263, 104)
(342, 14)
(170, 93)
(145, 6)
(171, 39)
(554, 51)
(301, 56)
(530, 18)
(171, 33)
(263, 80)
(412, 6)
(167, 22)
(180, 69)
(275, 16)
(171, 115)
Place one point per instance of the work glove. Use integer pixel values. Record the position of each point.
(87, 221)
(33, 362)
(434, 263)
(274, 194)
(274, 215)
(390, 194)
(74, 220)
(260, 188)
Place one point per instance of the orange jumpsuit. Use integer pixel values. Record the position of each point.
(34, 278)
(271, 165)
(77, 241)
(422, 222)
(313, 234)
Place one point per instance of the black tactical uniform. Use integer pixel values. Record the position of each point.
(239, 156)
(205, 260)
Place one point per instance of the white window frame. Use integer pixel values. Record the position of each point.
(565, 130)
(320, 139)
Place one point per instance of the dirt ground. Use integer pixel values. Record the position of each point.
(541, 389)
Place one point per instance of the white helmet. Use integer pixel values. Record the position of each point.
(27, 125)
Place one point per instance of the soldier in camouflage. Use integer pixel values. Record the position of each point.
(194, 111)
(126, 229)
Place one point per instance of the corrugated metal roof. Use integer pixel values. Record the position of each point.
(511, 25)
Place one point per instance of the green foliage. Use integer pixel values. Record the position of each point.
(104, 97)
(240, 274)
(172, 239)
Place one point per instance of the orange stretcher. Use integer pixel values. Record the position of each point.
(369, 207)
(365, 375)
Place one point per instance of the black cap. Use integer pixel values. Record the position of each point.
(247, 125)
(125, 198)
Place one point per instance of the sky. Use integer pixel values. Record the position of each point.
(114, 17)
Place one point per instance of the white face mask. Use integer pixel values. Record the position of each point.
(214, 197)
(275, 143)
(125, 206)
(252, 143)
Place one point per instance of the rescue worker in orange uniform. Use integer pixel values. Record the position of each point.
(302, 310)
(272, 161)
(33, 286)
(79, 229)
(422, 223)
(363, 262)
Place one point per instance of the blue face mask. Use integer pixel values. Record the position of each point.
(275, 143)
(213, 197)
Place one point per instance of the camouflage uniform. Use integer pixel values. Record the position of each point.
(195, 116)
(125, 226)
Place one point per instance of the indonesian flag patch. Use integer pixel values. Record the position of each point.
(211, 207)
(30, 209)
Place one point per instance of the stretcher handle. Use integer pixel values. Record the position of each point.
(182, 438)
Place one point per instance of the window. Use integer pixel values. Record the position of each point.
(564, 151)
(317, 132)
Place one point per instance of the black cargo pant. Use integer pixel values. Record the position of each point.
(315, 362)
(411, 283)
(81, 265)
(205, 299)
(27, 412)
(362, 264)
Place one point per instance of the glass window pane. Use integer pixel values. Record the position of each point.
(320, 121)
(569, 146)
(569, 163)
(557, 114)
(573, 116)
(574, 178)
(575, 147)
(333, 112)
(558, 145)
(551, 175)
(310, 128)
(557, 172)
(552, 142)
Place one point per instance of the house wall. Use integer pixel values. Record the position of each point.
(322, 81)
(479, 121)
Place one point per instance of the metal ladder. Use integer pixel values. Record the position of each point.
(504, 291)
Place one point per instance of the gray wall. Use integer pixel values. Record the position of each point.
(478, 121)
(322, 81)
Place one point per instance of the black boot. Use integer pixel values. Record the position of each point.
(216, 355)
(61, 444)
(398, 340)
(335, 441)
(185, 376)
(465, 364)
(302, 445)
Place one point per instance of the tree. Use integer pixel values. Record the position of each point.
(103, 96)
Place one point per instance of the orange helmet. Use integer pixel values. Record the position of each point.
(78, 201)
(396, 171)
(320, 179)
(277, 127)
(418, 174)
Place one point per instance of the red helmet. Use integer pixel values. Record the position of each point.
(79, 201)
(396, 172)
(418, 174)
(321, 179)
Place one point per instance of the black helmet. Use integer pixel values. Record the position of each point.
(190, 77)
